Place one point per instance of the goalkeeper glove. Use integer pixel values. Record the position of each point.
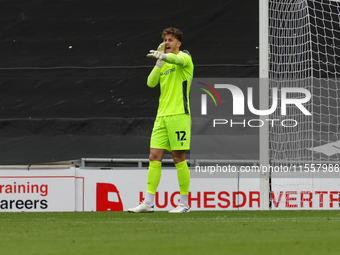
(159, 54)
(161, 47)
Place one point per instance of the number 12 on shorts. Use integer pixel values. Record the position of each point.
(181, 135)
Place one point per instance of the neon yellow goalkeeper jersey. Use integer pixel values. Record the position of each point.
(175, 80)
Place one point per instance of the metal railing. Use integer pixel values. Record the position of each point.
(140, 161)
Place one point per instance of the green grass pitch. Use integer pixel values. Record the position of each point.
(214, 232)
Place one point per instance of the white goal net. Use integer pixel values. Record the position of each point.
(304, 52)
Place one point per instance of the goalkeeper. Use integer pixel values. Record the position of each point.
(172, 127)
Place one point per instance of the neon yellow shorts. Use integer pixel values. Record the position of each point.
(172, 132)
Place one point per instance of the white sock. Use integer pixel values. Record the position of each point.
(184, 199)
(149, 198)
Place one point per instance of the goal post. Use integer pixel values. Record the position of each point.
(264, 102)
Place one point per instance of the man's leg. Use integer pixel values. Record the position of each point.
(154, 174)
(179, 132)
(183, 174)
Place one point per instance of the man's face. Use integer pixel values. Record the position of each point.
(171, 44)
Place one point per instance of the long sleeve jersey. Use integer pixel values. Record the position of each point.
(175, 80)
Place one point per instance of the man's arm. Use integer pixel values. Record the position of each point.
(153, 78)
(179, 59)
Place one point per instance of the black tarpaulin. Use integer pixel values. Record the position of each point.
(73, 73)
